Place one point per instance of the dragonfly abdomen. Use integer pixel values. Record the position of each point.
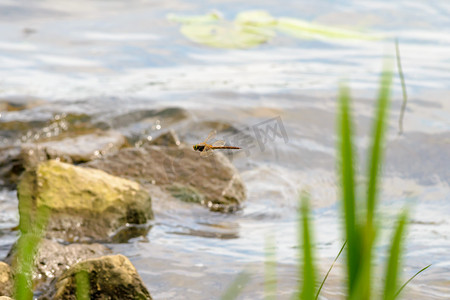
(226, 147)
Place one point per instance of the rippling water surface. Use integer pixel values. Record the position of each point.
(110, 58)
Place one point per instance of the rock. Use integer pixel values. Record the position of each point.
(6, 280)
(20, 103)
(168, 139)
(69, 138)
(108, 277)
(186, 193)
(74, 149)
(11, 166)
(52, 259)
(13, 131)
(164, 117)
(143, 125)
(83, 203)
(35, 130)
(212, 181)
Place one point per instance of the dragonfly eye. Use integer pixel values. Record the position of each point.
(195, 147)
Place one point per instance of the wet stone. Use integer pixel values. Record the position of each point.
(6, 280)
(52, 259)
(167, 116)
(67, 137)
(168, 139)
(84, 204)
(76, 149)
(213, 181)
(11, 166)
(19, 103)
(108, 277)
(36, 130)
(69, 148)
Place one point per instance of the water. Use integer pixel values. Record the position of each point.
(108, 58)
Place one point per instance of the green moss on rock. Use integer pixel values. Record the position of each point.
(84, 203)
(107, 277)
(186, 193)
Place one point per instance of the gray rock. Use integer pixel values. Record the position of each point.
(11, 166)
(167, 116)
(20, 103)
(84, 204)
(35, 130)
(108, 277)
(52, 259)
(69, 138)
(212, 181)
(168, 139)
(6, 280)
(74, 149)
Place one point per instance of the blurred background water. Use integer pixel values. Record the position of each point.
(107, 59)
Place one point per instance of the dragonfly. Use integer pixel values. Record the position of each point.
(206, 149)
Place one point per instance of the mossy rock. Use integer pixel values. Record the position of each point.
(107, 277)
(53, 258)
(186, 193)
(84, 204)
(213, 181)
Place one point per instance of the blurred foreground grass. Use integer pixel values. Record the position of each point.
(359, 215)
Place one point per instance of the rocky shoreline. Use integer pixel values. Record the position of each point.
(95, 188)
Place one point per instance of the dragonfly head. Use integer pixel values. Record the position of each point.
(195, 147)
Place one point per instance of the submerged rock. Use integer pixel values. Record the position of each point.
(52, 259)
(212, 181)
(68, 138)
(167, 116)
(20, 103)
(108, 277)
(83, 203)
(11, 166)
(142, 125)
(74, 149)
(6, 280)
(35, 130)
(167, 139)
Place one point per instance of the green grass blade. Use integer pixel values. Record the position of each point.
(270, 269)
(329, 270)
(377, 144)
(409, 280)
(395, 253)
(402, 79)
(27, 246)
(26, 249)
(346, 170)
(374, 161)
(83, 285)
(308, 272)
(236, 286)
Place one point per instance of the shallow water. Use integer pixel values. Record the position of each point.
(109, 59)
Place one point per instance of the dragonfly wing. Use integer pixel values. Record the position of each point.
(218, 143)
(207, 152)
(211, 135)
